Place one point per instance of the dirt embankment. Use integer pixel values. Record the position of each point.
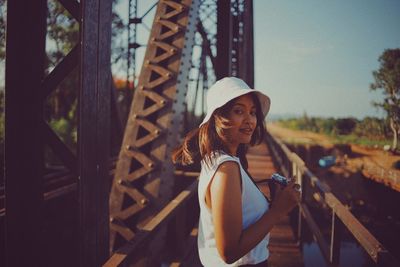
(373, 163)
(370, 200)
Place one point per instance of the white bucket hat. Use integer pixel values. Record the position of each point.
(227, 89)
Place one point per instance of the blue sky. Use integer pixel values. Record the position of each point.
(314, 56)
(318, 56)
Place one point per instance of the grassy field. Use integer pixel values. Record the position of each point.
(359, 140)
(370, 132)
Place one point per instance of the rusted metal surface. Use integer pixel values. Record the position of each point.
(143, 179)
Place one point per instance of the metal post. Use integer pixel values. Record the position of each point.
(224, 39)
(248, 43)
(26, 31)
(237, 48)
(336, 233)
(300, 218)
(93, 131)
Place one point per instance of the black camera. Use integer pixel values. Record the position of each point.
(276, 181)
(279, 179)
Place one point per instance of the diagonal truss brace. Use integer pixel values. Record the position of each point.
(144, 180)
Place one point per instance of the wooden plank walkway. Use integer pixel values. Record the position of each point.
(284, 249)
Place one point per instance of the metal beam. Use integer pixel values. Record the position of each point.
(25, 59)
(94, 131)
(247, 72)
(224, 39)
(144, 179)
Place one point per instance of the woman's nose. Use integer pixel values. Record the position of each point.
(250, 118)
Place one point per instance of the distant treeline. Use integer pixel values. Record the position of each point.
(369, 127)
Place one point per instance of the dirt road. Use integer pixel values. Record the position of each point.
(374, 163)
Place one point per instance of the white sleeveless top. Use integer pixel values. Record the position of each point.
(254, 205)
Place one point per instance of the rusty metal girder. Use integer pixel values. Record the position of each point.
(144, 180)
(235, 44)
(242, 40)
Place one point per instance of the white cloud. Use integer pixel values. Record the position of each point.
(296, 52)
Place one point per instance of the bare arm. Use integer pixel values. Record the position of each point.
(225, 192)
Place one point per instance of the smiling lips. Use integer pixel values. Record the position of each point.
(247, 131)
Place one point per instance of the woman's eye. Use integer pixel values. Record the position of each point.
(238, 111)
(253, 113)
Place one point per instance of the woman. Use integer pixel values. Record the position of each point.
(235, 218)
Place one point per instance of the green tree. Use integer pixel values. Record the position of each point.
(60, 107)
(62, 36)
(373, 128)
(2, 29)
(387, 78)
(345, 126)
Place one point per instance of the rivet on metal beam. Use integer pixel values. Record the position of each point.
(120, 181)
(156, 132)
(144, 201)
(112, 219)
(150, 165)
(163, 102)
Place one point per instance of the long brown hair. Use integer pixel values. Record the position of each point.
(212, 136)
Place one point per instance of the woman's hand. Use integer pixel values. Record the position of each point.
(286, 199)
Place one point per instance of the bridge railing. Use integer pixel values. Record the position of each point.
(173, 216)
(292, 165)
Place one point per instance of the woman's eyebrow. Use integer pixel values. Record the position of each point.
(240, 104)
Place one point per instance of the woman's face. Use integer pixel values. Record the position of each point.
(243, 119)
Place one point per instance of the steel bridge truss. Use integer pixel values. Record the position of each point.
(192, 43)
(155, 120)
(85, 173)
(144, 178)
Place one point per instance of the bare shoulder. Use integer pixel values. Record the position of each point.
(225, 188)
(228, 168)
(225, 182)
(227, 174)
